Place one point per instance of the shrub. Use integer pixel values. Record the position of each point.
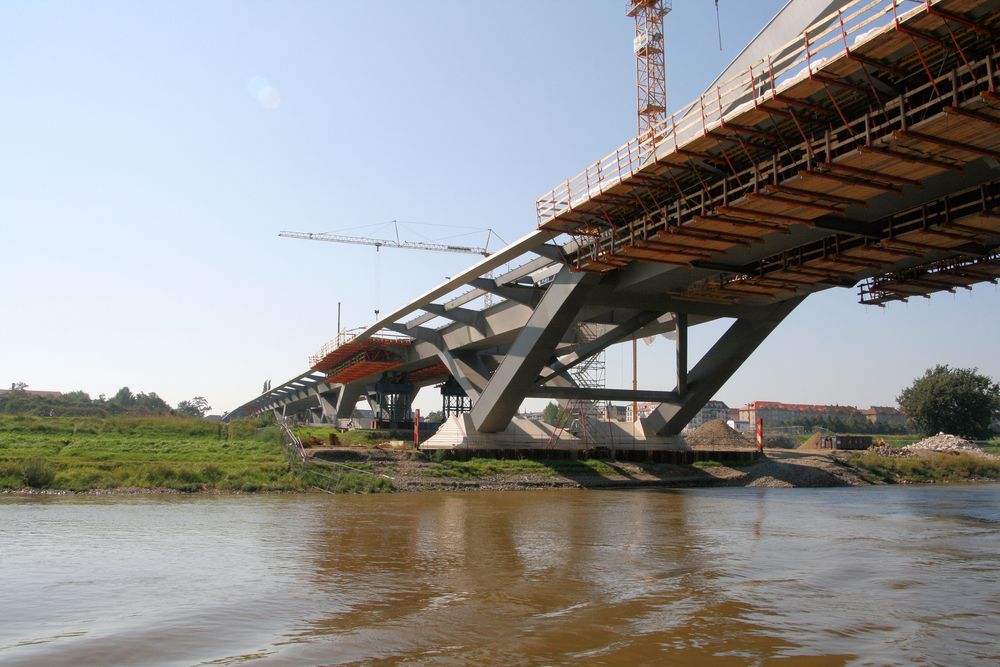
(212, 473)
(159, 474)
(37, 473)
(241, 429)
(271, 434)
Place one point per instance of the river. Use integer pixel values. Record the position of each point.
(871, 575)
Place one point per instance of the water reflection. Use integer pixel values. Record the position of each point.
(741, 576)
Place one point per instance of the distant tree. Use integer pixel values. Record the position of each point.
(196, 407)
(150, 404)
(18, 386)
(435, 417)
(960, 401)
(122, 400)
(554, 415)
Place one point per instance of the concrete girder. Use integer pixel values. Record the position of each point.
(472, 318)
(347, 399)
(587, 350)
(602, 299)
(468, 369)
(514, 274)
(533, 347)
(420, 333)
(601, 394)
(716, 367)
(326, 405)
(528, 296)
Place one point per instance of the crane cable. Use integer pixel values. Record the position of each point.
(718, 24)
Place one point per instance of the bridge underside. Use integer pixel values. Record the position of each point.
(868, 155)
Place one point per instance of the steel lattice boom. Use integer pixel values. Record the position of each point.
(388, 243)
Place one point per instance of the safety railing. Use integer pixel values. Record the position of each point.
(834, 35)
(324, 476)
(348, 335)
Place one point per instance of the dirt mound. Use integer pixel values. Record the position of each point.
(786, 474)
(717, 434)
(944, 442)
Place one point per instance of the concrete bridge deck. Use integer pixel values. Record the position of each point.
(861, 153)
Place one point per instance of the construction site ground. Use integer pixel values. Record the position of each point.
(411, 470)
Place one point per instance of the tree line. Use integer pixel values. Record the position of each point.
(80, 404)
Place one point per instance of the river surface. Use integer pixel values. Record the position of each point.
(868, 575)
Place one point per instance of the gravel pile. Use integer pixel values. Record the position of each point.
(944, 442)
(716, 434)
(815, 472)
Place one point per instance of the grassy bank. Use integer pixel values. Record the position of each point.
(84, 453)
(926, 468)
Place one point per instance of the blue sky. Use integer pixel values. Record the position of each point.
(151, 154)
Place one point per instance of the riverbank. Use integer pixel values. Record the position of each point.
(141, 454)
(409, 472)
(128, 456)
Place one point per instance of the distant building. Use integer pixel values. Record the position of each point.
(619, 412)
(31, 392)
(741, 426)
(645, 409)
(713, 410)
(785, 413)
(776, 414)
(877, 414)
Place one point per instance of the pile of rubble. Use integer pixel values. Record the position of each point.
(882, 449)
(944, 442)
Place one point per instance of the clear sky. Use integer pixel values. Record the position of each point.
(151, 154)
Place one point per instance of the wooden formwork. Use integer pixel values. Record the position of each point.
(911, 100)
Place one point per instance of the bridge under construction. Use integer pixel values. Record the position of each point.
(851, 144)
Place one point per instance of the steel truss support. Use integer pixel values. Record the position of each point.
(716, 367)
(531, 350)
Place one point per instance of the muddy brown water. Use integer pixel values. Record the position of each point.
(704, 576)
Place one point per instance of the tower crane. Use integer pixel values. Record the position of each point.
(397, 243)
(650, 63)
(389, 243)
(651, 87)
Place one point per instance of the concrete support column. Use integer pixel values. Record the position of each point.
(716, 367)
(681, 328)
(532, 349)
(347, 399)
(327, 404)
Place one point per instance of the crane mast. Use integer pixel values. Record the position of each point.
(650, 62)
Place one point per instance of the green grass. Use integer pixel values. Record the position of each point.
(992, 446)
(85, 453)
(343, 480)
(320, 435)
(927, 468)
